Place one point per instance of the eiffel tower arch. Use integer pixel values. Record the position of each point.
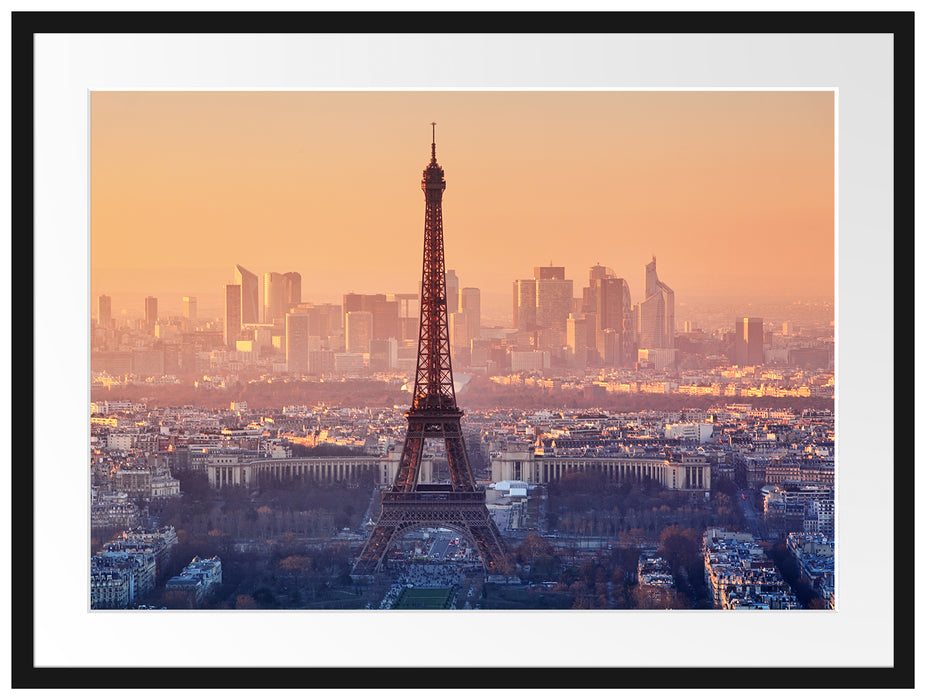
(409, 505)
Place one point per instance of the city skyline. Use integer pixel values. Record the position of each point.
(733, 192)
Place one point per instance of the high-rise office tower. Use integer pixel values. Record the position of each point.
(408, 315)
(750, 340)
(282, 291)
(524, 316)
(544, 303)
(408, 304)
(324, 319)
(554, 303)
(595, 272)
(385, 318)
(656, 313)
(453, 290)
(104, 310)
(549, 273)
(358, 331)
(232, 314)
(471, 305)
(577, 340)
(292, 288)
(297, 343)
(383, 354)
(352, 302)
(273, 296)
(189, 308)
(385, 313)
(613, 320)
(151, 313)
(250, 294)
(458, 328)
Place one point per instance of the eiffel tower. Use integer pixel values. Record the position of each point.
(407, 504)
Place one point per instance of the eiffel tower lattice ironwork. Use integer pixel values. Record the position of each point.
(407, 504)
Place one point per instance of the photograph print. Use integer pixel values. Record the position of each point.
(462, 350)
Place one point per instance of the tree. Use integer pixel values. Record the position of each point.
(245, 602)
(533, 547)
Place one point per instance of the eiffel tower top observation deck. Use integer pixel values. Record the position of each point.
(434, 374)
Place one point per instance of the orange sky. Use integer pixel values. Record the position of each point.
(733, 192)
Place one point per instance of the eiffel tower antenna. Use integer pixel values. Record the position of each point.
(409, 505)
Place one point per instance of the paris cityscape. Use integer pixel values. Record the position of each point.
(580, 431)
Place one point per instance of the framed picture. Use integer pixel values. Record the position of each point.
(852, 71)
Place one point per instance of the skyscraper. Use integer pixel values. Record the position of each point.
(189, 308)
(358, 331)
(383, 354)
(104, 310)
(408, 315)
(524, 316)
(232, 314)
(613, 320)
(292, 288)
(749, 344)
(453, 290)
(543, 304)
(458, 333)
(273, 296)
(247, 281)
(595, 272)
(577, 340)
(656, 313)
(471, 305)
(151, 313)
(384, 311)
(282, 291)
(297, 343)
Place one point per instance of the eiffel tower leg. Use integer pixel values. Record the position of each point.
(374, 551)
(461, 475)
(407, 476)
(464, 512)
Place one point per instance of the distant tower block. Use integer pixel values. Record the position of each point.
(409, 505)
(104, 313)
(232, 314)
(151, 313)
(189, 308)
(247, 280)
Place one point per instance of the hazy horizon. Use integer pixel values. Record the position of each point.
(731, 191)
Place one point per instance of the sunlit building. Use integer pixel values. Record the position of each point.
(297, 343)
(749, 344)
(250, 312)
(453, 290)
(577, 340)
(409, 310)
(384, 354)
(554, 303)
(358, 331)
(151, 313)
(189, 308)
(104, 310)
(470, 304)
(525, 305)
(232, 329)
(656, 312)
(282, 291)
(543, 305)
(384, 312)
(677, 471)
(614, 339)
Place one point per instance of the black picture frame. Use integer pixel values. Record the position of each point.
(25, 26)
